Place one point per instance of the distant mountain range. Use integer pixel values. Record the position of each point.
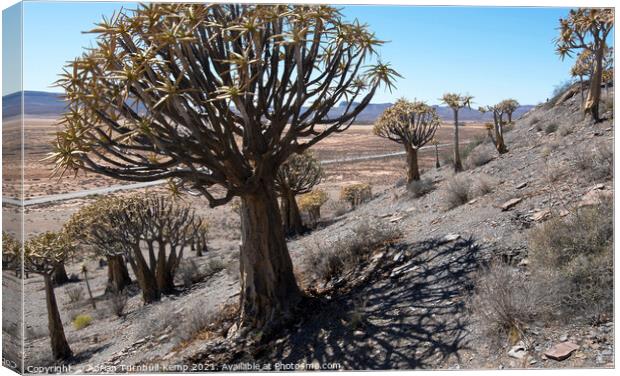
(40, 103)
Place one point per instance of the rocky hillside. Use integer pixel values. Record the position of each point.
(414, 301)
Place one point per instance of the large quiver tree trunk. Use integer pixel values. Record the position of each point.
(268, 288)
(60, 346)
(458, 166)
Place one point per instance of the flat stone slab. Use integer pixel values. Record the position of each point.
(561, 351)
(543, 214)
(510, 203)
(522, 185)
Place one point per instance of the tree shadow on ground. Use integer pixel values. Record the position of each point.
(411, 314)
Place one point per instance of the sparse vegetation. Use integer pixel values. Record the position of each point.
(551, 127)
(82, 321)
(596, 163)
(118, 302)
(506, 300)
(74, 293)
(456, 191)
(478, 157)
(419, 188)
(576, 254)
(331, 260)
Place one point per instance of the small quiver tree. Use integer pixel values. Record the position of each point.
(456, 102)
(11, 253)
(216, 97)
(587, 29)
(356, 194)
(84, 228)
(510, 106)
(412, 124)
(435, 143)
(311, 203)
(42, 254)
(497, 136)
(298, 175)
(199, 241)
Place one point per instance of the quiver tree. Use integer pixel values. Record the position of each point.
(509, 107)
(456, 102)
(199, 242)
(587, 29)
(298, 175)
(312, 202)
(497, 136)
(435, 143)
(42, 254)
(356, 194)
(217, 97)
(81, 228)
(412, 124)
(11, 252)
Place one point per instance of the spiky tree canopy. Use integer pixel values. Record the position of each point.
(457, 101)
(113, 225)
(45, 251)
(584, 28)
(299, 174)
(410, 123)
(509, 105)
(213, 95)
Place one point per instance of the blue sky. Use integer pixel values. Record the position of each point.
(491, 53)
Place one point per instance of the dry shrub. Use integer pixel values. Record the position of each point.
(481, 186)
(191, 274)
(505, 300)
(597, 163)
(457, 191)
(118, 302)
(551, 127)
(565, 130)
(479, 157)
(74, 293)
(327, 261)
(419, 188)
(576, 254)
(82, 321)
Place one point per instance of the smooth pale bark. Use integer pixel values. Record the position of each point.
(269, 291)
(60, 346)
(413, 171)
(90, 292)
(59, 277)
(118, 275)
(594, 94)
(458, 166)
(499, 136)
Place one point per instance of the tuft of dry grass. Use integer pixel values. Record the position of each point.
(323, 262)
(576, 253)
(419, 188)
(505, 300)
(456, 191)
(596, 163)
